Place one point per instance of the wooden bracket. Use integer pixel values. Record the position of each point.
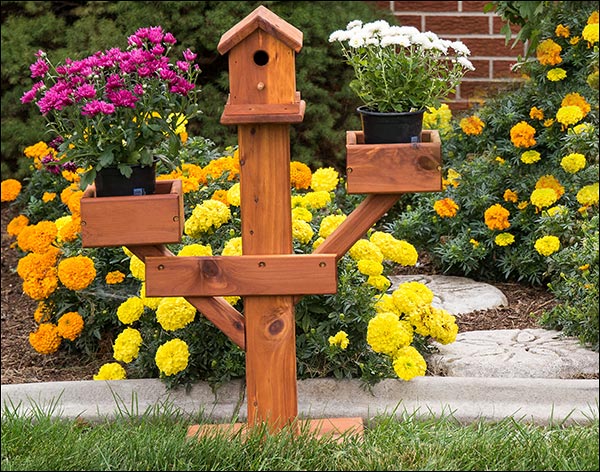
(297, 274)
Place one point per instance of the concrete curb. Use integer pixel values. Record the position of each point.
(467, 399)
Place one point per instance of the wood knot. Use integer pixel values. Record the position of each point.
(276, 327)
(210, 268)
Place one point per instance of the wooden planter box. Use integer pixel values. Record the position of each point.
(133, 220)
(393, 168)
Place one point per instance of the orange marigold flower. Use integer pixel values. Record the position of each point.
(67, 192)
(522, 134)
(74, 202)
(70, 325)
(300, 175)
(562, 31)
(114, 277)
(472, 125)
(496, 217)
(38, 237)
(536, 113)
(46, 339)
(48, 196)
(510, 196)
(445, 208)
(40, 289)
(575, 99)
(76, 273)
(42, 312)
(10, 190)
(548, 53)
(593, 18)
(221, 195)
(16, 225)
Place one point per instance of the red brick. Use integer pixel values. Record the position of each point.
(501, 70)
(444, 25)
(409, 20)
(482, 69)
(483, 89)
(492, 47)
(473, 6)
(426, 6)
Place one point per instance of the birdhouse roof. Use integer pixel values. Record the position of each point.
(267, 21)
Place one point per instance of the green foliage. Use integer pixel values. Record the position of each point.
(75, 29)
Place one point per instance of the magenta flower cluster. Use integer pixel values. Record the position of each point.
(117, 104)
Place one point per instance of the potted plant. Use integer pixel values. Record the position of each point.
(111, 110)
(399, 72)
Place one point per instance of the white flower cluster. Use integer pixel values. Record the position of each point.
(381, 34)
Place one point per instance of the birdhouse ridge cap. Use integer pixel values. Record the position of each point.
(264, 19)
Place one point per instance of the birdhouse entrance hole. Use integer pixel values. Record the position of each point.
(261, 58)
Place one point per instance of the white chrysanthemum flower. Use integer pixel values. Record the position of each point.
(356, 41)
(463, 61)
(354, 24)
(460, 48)
(395, 40)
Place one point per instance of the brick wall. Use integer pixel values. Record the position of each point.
(479, 31)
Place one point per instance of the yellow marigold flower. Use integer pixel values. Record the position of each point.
(408, 363)
(10, 190)
(380, 282)
(445, 208)
(504, 239)
(562, 31)
(590, 33)
(301, 213)
(46, 339)
(234, 197)
(569, 115)
(340, 339)
(584, 267)
(233, 247)
(70, 325)
(175, 313)
(325, 179)
(16, 225)
(548, 53)
(37, 150)
(150, 302)
(300, 175)
(130, 310)
(573, 163)
(43, 312)
(557, 210)
(443, 327)
(111, 371)
(38, 237)
(48, 196)
(302, 231)
(496, 217)
(232, 300)
(530, 157)
(453, 178)
(410, 297)
(195, 249)
(207, 216)
(536, 113)
(474, 242)
(499, 160)
(523, 135)
(510, 196)
(438, 118)
(329, 224)
(401, 252)
(549, 122)
(582, 128)
(547, 245)
(172, 357)
(588, 195)
(370, 267)
(523, 205)
(575, 99)
(472, 125)
(365, 249)
(137, 268)
(316, 200)
(127, 345)
(384, 303)
(386, 333)
(114, 277)
(76, 273)
(549, 181)
(557, 74)
(543, 197)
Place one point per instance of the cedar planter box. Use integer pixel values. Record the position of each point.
(133, 220)
(393, 168)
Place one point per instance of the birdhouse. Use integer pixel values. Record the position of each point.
(262, 73)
